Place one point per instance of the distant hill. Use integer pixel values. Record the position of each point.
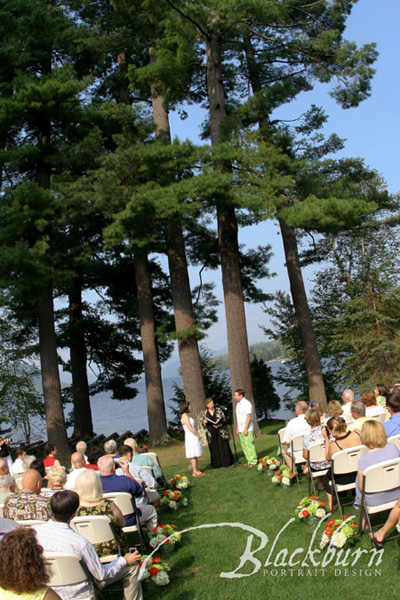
(264, 350)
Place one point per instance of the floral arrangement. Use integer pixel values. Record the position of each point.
(162, 532)
(155, 570)
(173, 498)
(180, 482)
(268, 462)
(283, 476)
(310, 506)
(339, 533)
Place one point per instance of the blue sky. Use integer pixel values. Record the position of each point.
(371, 131)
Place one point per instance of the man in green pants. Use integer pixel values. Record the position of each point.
(245, 427)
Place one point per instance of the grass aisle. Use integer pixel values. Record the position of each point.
(242, 495)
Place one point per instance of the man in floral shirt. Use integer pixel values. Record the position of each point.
(28, 504)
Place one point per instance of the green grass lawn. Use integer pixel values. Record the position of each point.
(246, 496)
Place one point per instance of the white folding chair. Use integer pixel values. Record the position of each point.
(29, 522)
(96, 529)
(127, 506)
(316, 453)
(345, 461)
(155, 458)
(66, 569)
(281, 435)
(394, 439)
(381, 418)
(296, 445)
(383, 477)
(148, 469)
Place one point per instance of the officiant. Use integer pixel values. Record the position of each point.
(213, 424)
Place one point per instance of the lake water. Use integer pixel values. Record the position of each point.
(123, 415)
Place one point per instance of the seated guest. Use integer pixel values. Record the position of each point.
(5, 450)
(82, 447)
(110, 448)
(7, 487)
(23, 571)
(56, 480)
(348, 399)
(91, 502)
(358, 414)
(314, 436)
(38, 465)
(78, 466)
(126, 483)
(28, 504)
(18, 466)
(373, 435)
(296, 426)
(137, 472)
(144, 460)
(381, 391)
(392, 426)
(93, 457)
(334, 409)
(4, 468)
(371, 407)
(57, 536)
(50, 452)
(338, 438)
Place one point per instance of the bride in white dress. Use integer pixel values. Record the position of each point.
(193, 447)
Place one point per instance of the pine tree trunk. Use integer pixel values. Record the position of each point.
(55, 421)
(188, 349)
(299, 297)
(302, 312)
(184, 319)
(152, 368)
(238, 346)
(83, 425)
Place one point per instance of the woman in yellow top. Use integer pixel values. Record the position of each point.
(23, 572)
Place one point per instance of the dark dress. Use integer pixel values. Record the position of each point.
(220, 450)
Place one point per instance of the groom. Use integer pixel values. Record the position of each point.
(245, 427)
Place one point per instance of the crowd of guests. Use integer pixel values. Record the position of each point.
(42, 490)
(369, 421)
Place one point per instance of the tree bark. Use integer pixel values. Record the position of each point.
(83, 425)
(184, 319)
(55, 421)
(299, 297)
(302, 312)
(185, 325)
(152, 368)
(238, 345)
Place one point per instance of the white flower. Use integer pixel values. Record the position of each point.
(184, 502)
(339, 539)
(273, 466)
(285, 481)
(172, 505)
(320, 512)
(324, 541)
(161, 578)
(275, 479)
(145, 574)
(259, 467)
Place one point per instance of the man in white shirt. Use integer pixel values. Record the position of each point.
(57, 536)
(79, 465)
(348, 398)
(296, 426)
(245, 427)
(146, 480)
(18, 466)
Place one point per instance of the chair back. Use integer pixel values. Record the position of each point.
(123, 500)
(95, 528)
(316, 452)
(346, 461)
(382, 477)
(65, 568)
(281, 434)
(148, 469)
(381, 418)
(29, 522)
(297, 443)
(154, 456)
(394, 439)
